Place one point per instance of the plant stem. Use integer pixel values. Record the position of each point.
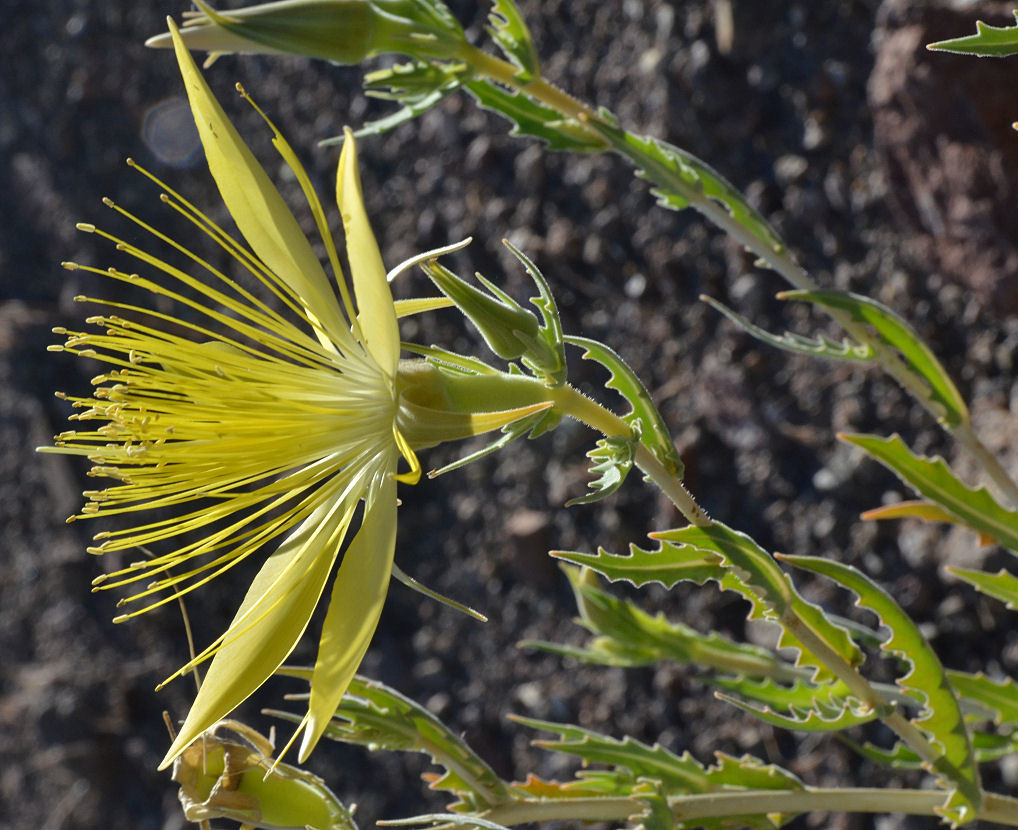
(777, 257)
(1001, 809)
(575, 404)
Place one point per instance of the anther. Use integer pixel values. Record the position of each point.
(107, 201)
(70, 266)
(87, 227)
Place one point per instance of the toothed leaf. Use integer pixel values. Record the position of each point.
(820, 347)
(755, 575)
(987, 42)
(372, 714)
(941, 719)
(667, 566)
(944, 398)
(534, 119)
(647, 423)
(933, 479)
(1002, 585)
(659, 162)
(510, 32)
(819, 718)
(1000, 696)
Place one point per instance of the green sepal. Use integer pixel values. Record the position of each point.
(987, 42)
(933, 479)
(547, 358)
(819, 347)
(535, 119)
(944, 399)
(942, 719)
(645, 420)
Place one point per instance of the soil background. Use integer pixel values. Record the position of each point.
(889, 170)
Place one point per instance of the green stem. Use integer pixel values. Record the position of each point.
(777, 257)
(1001, 809)
(576, 405)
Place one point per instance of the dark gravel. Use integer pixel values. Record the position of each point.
(890, 172)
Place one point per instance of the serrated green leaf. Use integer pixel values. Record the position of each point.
(755, 575)
(800, 695)
(987, 42)
(510, 32)
(535, 119)
(681, 179)
(1002, 585)
(613, 458)
(628, 635)
(443, 819)
(818, 718)
(933, 480)
(924, 510)
(820, 347)
(647, 423)
(680, 773)
(1000, 696)
(944, 399)
(655, 813)
(667, 566)
(942, 719)
(374, 715)
(987, 748)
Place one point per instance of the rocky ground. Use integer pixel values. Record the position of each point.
(889, 170)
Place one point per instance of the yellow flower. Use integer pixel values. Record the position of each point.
(256, 429)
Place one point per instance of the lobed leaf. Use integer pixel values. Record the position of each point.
(754, 574)
(820, 347)
(942, 719)
(986, 746)
(532, 118)
(918, 509)
(944, 399)
(667, 566)
(933, 480)
(681, 179)
(628, 635)
(818, 717)
(987, 42)
(647, 423)
(1002, 585)
(510, 32)
(1000, 696)
(374, 715)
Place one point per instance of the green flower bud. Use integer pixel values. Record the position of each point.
(507, 327)
(229, 777)
(342, 31)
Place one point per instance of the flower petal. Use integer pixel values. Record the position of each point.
(271, 620)
(374, 299)
(255, 204)
(356, 604)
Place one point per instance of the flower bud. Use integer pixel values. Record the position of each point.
(342, 31)
(230, 777)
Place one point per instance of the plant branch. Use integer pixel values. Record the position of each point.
(1001, 809)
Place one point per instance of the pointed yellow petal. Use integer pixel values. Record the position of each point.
(254, 203)
(270, 621)
(374, 300)
(356, 604)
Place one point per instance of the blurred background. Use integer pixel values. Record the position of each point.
(889, 170)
